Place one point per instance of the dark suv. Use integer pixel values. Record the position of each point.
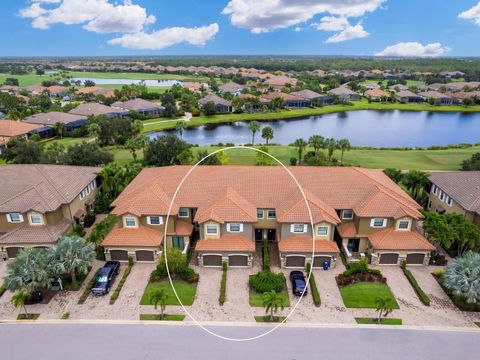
(105, 278)
(298, 283)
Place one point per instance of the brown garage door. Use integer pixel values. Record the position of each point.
(238, 260)
(319, 260)
(388, 259)
(13, 251)
(415, 259)
(212, 260)
(119, 255)
(144, 255)
(295, 261)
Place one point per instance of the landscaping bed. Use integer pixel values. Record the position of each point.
(88, 288)
(255, 299)
(185, 290)
(119, 287)
(266, 281)
(266, 319)
(374, 321)
(364, 294)
(29, 317)
(2, 290)
(166, 317)
(459, 302)
(418, 290)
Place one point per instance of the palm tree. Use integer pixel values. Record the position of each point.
(267, 134)
(111, 175)
(19, 299)
(461, 277)
(94, 130)
(159, 297)
(60, 129)
(74, 255)
(254, 126)
(137, 127)
(179, 126)
(317, 142)
(383, 307)
(415, 180)
(300, 144)
(331, 145)
(343, 145)
(271, 302)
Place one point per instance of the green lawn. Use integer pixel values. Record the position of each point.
(123, 156)
(136, 76)
(30, 316)
(371, 321)
(67, 141)
(185, 291)
(166, 317)
(151, 89)
(255, 299)
(266, 319)
(26, 80)
(363, 295)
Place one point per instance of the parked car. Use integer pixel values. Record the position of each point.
(298, 283)
(104, 280)
(115, 265)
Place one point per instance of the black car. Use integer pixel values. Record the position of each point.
(115, 265)
(298, 283)
(103, 281)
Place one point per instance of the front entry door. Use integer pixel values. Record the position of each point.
(258, 234)
(265, 234)
(271, 234)
(353, 245)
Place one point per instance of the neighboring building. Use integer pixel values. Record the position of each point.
(195, 87)
(222, 106)
(462, 96)
(438, 98)
(344, 93)
(279, 82)
(95, 91)
(40, 203)
(378, 95)
(71, 121)
(230, 209)
(398, 88)
(57, 91)
(291, 101)
(96, 109)
(231, 87)
(457, 192)
(11, 89)
(11, 128)
(372, 86)
(144, 107)
(35, 89)
(314, 97)
(407, 97)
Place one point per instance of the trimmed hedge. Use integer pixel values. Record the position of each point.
(87, 290)
(266, 281)
(223, 285)
(266, 256)
(119, 287)
(418, 290)
(2, 290)
(313, 287)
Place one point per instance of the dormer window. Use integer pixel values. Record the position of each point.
(322, 230)
(212, 229)
(378, 223)
(183, 212)
(36, 219)
(130, 221)
(347, 214)
(14, 218)
(154, 220)
(403, 224)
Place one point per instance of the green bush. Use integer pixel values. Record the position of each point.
(313, 287)
(411, 279)
(359, 267)
(89, 219)
(119, 287)
(177, 265)
(266, 281)
(101, 229)
(266, 256)
(223, 284)
(2, 290)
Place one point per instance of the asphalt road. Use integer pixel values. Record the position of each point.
(145, 341)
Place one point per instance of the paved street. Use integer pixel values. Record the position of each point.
(155, 341)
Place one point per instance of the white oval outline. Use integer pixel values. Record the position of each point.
(313, 245)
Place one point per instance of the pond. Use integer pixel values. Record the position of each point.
(150, 83)
(362, 128)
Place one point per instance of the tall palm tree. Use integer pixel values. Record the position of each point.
(254, 126)
(137, 127)
(111, 175)
(331, 145)
(384, 307)
(159, 297)
(271, 302)
(415, 180)
(317, 142)
(179, 126)
(94, 130)
(74, 255)
(267, 134)
(300, 144)
(19, 299)
(60, 129)
(343, 145)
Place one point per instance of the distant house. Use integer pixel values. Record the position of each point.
(231, 87)
(378, 95)
(314, 97)
(10, 128)
(279, 82)
(290, 100)
(144, 107)
(398, 87)
(95, 91)
(195, 87)
(56, 91)
(462, 96)
(222, 106)
(96, 109)
(71, 121)
(345, 94)
(407, 97)
(372, 86)
(452, 74)
(11, 89)
(35, 89)
(438, 98)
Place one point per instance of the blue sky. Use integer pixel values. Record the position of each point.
(201, 27)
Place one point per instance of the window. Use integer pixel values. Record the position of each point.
(130, 221)
(260, 213)
(178, 242)
(298, 228)
(449, 201)
(434, 189)
(404, 224)
(347, 214)
(154, 220)
(183, 212)
(36, 219)
(212, 229)
(234, 227)
(441, 195)
(378, 222)
(271, 214)
(14, 217)
(322, 230)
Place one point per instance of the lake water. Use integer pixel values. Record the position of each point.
(362, 128)
(151, 83)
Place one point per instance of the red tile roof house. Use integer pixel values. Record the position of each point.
(221, 105)
(378, 95)
(40, 203)
(144, 107)
(11, 128)
(230, 208)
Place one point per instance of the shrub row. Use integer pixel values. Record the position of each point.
(459, 302)
(360, 267)
(119, 287)
(88, 288)
(313, 287)
(411, 279)
(266, 256)
(2, 290)
(101, 229)
(223, 285)
(266, 281)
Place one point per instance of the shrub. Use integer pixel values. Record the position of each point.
(266, 281)
(87, 290)
(266, 256)
(411, 279)
(313, 287)
(89, 219)
(438, 259)
(2, 290)
(360, 267)
(188, 274)
(223, 284)
(177, 265)
(101, 229)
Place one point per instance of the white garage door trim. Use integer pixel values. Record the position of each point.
(295, 255)
(212, 254)
(242, 266)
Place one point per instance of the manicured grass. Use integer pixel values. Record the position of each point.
(363, 295)
(185, 291)
(30, 317)
(166, 317)
(136, 76)
(123, 156)
(119, 287)
(26, 80)
(255, 299)
(477, 323)
(372, 321)
(66, 141)
(266, 319)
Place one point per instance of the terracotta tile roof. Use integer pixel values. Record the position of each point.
(377, 93)
(229, 242)
(41, 234)
(304, 244)
(141, 236)
(182, 228)
(348, 230)
(231, 87)
(41, 188)
(11, 128)
(389, 239)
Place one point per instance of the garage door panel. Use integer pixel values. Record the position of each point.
(119, 255)
(388, 259)
(319, 260)
(415, 259)
(12, 252)
(238, 260)
(212, 260)
(144, 255)
(295, 261)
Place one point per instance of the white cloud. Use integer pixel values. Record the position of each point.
(332, 23)
(167, 37)
(414, 49)
(269, 15)
(298, 29)
(472, 14)
(349, 33)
